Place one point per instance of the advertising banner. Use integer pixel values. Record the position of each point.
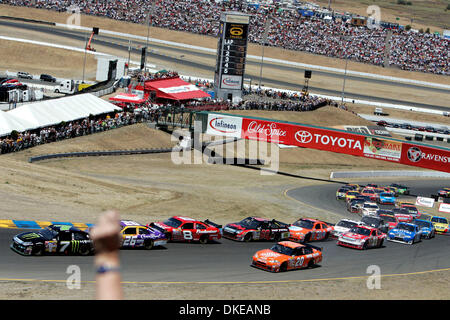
(426, 157)
(425, 202)
(302, 136)
(223, 125)
(444, 207)
(382, 149)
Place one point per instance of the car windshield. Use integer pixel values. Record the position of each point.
(421, 223)
(48, 233)
(439, 220)
(173, 222)
(411, 209)
(359, 230)
(370, 206)
(407, 227)
(352, 193)
(389, 219)
(304, 224)
(250, 223)
(278, 248)
(370, 221)
(346, 224)
(385, 194)
(369, 191)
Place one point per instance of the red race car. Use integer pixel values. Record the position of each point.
(369, 192)
(305, 230)
(362, 237)
(186, 229)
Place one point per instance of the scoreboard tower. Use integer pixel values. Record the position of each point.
(231, 56)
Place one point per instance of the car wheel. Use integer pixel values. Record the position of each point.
(203, 240)
(311, 264)
(307, 237)
(85, 251)
(248, 237)
(283, 267)
(148, 244)
(39, 251)
(365, 246)
(381, 244)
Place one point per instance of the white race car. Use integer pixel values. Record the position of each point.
(343, 226)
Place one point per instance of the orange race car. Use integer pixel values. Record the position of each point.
(305, 230)
(287, 255)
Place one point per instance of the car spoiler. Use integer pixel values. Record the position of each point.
(280, 222)
(313, 247)
(218, 226)
(154, 226)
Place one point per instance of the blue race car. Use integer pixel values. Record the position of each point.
(386, 198)
(405, 233)
(426, 227)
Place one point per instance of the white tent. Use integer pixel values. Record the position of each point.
(9, 123)
(53, 112)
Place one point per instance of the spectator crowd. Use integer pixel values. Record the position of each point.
(410, 50)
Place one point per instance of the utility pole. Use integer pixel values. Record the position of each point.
(85, 53)
(129, 56)
(149, 15)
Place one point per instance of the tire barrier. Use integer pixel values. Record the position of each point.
(97, 154)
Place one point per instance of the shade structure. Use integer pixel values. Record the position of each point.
(9, 123)
(175, 89)
(128, 98)
(53, 112)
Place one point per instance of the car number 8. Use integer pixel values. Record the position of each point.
(187, 235)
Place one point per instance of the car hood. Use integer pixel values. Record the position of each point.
(32, 237)
(295, 229)
(354, 236)
(400, 232)
(268, 255)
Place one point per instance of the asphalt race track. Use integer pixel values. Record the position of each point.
(229, 261)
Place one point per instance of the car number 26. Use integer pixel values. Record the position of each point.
(129, 241)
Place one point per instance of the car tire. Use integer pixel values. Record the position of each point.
(39, 251)
(283, 267)
(203, 240)
(307, 237)
(148, 244)
(365, 246)
(381, 244)
(248, 237)
(56, 91)
(311, 264)
(85, 250)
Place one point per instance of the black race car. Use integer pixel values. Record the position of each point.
(54, 239)
(254, 228)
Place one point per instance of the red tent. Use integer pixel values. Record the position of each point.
(174, 89)
(128, 98)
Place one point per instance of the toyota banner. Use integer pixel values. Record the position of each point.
(338, 141)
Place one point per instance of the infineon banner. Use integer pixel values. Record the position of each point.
(320, 138)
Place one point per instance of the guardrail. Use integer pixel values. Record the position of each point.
(97, 154)
(374, 174)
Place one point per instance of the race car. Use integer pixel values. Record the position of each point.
(287, 255)
(362, 237)
(340, 193)
(412, 210)
(378, 191)
(305, 230)
(444, 192)
(136, 235)
(369, 209)
(186, 229)
(405, 232)
(391, 220)
(370, 193)
(255, 228)
(375, 222)
(386, 198)
(426, 227)
(54, 239)
(371, 186)
(400, 189)
(351, 195)
(441, 224)
(354, 205)
(402, 215)
(343, 226)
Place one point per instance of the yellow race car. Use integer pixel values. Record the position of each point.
(441, 224)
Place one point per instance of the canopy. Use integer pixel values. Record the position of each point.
(128, 98)
(175, 89)
(53, 112)
(9, 123)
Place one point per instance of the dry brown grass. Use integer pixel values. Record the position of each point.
(57, 62)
